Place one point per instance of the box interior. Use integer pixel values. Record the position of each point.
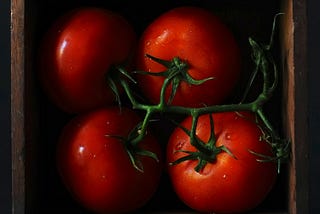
(44, 191)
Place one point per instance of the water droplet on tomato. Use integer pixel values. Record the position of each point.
(228, 136)
(224, 176)
(81, 149)
(179, 145)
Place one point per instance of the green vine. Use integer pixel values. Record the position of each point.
(176, 72)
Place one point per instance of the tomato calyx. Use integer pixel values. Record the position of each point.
(206, 152)
(176, 72)
(280, 148)
(130, 143)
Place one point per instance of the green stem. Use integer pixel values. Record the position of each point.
(265, 121)
(143, 130)
(193, 138)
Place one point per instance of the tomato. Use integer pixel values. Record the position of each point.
(202, 41)
(233, 183)
(76, 54)
(95, 167)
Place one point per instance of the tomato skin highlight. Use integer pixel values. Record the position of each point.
(199, 38)
(228, 185)
(96, 168)
(76, 53)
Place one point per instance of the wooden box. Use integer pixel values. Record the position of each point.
(36, 187)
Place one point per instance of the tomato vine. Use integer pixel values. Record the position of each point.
(206, 152)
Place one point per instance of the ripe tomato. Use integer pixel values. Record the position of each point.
(77, 52)
(229, 184)
(96, 168)
(198, 38)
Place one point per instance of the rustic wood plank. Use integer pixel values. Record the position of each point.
(287, 49)
(17, 106)
(294, 30)
(27, 148)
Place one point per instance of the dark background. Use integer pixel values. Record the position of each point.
(5, 146)
(314, 101)
(314, 105)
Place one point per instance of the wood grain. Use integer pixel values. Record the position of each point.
(294, 60)
(17, 106)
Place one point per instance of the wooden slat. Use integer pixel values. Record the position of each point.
(293, 40)
(17, 106)
(299, 168)
(25, 111)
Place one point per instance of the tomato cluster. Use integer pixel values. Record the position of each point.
(186, 58)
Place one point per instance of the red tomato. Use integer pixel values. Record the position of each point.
(229, 184)
(77, 52)
(96, 168)
(198, 38)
